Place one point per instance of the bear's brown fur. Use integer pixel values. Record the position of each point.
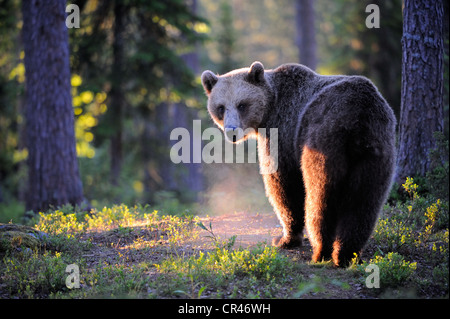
(336, 150)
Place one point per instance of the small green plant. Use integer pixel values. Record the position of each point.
(413, 224)
(118, 215)
(431, 215)
(218, 243)
(392, 234)
(222, 265)
(57, 222)
(30, 274)
(411, 188)
(315, 285)
(394, 269)
(179, 230)
(441, 275)
(209, 229)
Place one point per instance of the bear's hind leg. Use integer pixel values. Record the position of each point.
(352, 235)
(362, 195)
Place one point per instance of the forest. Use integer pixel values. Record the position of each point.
(91, 93)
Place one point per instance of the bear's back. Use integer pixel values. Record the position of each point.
(329, 111)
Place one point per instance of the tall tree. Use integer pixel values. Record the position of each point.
(117, 95)
(140, 45)
(11, 89)
(194, 177)
(422, 85)
(226, 38)
(184, 179)
(347, 46)
(52, 160)
(306, 38)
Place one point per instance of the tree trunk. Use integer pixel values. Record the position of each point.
(194, 178)
(306, 39)
(53, 173)
(117, 96)
(185, 179)
(421, 111)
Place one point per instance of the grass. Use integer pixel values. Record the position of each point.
(257, 272)
(137, 252)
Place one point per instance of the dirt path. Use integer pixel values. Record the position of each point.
(249, 228)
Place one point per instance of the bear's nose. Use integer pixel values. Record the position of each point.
(233, 133)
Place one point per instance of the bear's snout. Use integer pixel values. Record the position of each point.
(233, 134)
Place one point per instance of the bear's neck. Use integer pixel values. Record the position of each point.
(289, 98)
(291, 89)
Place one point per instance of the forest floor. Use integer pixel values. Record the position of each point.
(135, 253)
(247, 232)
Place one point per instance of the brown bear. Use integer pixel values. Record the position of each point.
(336, 150)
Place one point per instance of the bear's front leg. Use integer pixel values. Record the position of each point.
(286, 194)
(287, 241)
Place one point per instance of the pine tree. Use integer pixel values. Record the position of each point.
(422, 85)
(53, 173)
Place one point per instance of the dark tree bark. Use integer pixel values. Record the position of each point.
(306, 35)
(52, 160)
(421, 111)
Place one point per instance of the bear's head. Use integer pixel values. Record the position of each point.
(238, 100)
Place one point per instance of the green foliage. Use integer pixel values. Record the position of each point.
(441, 274)
(170, 203)
(67, 220)
(416, 227)
(261, 262)
(411, 188)
(11, 211)
(226, 38)
(114, 281)
(438, 175)
(320, 284)
(413, 222)
(95, 175)
(71, 232)
(394, 269)
(12, 70)
(209, 229)
(138, 252)
(158, 37)
(224, 265)
(347, 46)
(117, 215)
(58, 222)
(391, 234)
(30, 274)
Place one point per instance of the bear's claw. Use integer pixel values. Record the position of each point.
(287, 242)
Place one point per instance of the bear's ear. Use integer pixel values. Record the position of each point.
(256, 73)
(209, 79)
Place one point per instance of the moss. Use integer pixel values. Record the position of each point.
(15, 236)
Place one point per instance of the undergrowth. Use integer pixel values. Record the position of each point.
(224, 271)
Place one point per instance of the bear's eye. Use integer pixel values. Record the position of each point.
(241, 107)
(220, 110)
